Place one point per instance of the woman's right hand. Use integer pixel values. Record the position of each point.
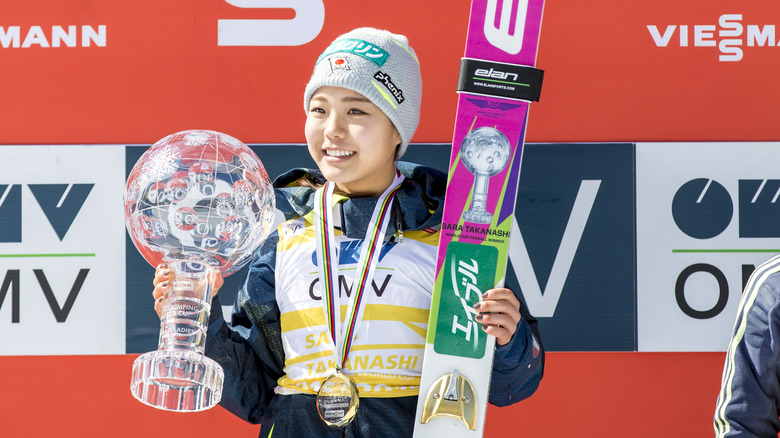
(163, 276)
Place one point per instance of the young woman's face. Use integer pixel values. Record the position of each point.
(352, 141)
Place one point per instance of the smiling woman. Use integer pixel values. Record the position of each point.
(364, 254)
(352, 141)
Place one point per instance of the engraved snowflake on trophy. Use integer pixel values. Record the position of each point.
(485, 152)
(202, 202)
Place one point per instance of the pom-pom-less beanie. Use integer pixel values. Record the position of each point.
(379, 65)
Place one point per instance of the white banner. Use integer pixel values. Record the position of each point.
(706, 216)
(62, 250)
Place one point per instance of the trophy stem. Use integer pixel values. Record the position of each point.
(478, 212)
(178, 376)
(185, 314)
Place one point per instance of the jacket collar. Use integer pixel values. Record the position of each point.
(417, 205)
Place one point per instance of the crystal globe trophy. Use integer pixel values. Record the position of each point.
(200, 201)
(485, 152)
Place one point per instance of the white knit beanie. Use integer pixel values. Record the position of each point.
(379, 65)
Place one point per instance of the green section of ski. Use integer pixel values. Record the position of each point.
(468, 271)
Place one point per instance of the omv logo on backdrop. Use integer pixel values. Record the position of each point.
(61, 250)
(60, 203)
(707, 215)
(572, 249)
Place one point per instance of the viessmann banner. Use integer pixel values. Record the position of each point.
(132, 71)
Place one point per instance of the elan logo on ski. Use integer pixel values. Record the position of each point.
(501, 80)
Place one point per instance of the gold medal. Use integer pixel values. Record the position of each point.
(338, 400)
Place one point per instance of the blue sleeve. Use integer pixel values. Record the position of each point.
(519, 365)
(750, 391)
(249, 349)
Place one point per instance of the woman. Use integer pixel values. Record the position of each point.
(373, 223)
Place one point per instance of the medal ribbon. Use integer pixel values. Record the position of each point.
(342, 337)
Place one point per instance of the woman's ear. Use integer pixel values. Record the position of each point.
(397, 151)
(397, 139)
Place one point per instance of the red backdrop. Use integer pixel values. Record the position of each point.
(162, 71)
(582, 394)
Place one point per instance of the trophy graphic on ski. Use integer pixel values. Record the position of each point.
(485, 152)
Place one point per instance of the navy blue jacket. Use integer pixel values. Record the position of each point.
(250, 349)
(749, 398)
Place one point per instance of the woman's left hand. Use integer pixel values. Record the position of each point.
(499, 313)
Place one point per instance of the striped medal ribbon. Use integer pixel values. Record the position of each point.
(337, 398)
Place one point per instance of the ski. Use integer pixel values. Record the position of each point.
(497, 83)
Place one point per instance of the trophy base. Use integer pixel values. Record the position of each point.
(177, 380)
(478, 216)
